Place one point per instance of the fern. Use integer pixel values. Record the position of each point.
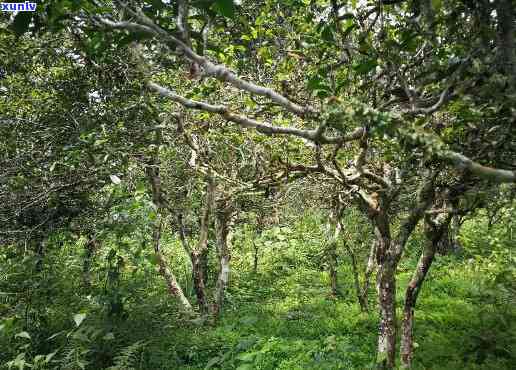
(74, 357)
(128, 357)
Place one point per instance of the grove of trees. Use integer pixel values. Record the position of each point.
(194, 184)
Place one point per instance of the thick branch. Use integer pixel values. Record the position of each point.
(246, 122)
(443, 98)
(425, 198)
(488, 173)
(218, 71)
(182, 234)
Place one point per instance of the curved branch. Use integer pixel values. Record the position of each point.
(218, 71)
(246, 122)
(488, 173)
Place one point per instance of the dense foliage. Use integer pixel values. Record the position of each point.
(297, 184)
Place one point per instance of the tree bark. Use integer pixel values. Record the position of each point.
(198, 253)
(388, 254)
(332, 269)
(334, 228)
(362, 290)
(356, 277)
(386, 288)
(506, 42)
(371, 265)
(170, 279)
(40, 254)
(222, 221)
(198, 280)
(435, 230)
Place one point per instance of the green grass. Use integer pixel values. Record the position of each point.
(280, 318)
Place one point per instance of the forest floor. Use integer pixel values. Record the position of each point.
(281, 317)
(287, 320)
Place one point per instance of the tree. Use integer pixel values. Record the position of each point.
(379, 96)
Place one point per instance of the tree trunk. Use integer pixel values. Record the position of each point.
(40, 255)
(198, 253)
(356, 277)
(506, 42)
(332, 269)
(371, 265)
(434, 232)
(334, 228)
(222, 226)
(388, 254)
(410, 301)
(386, 288)
(198, 280)
(362, 291)
(170, 279)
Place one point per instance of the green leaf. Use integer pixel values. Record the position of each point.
(79, 318)
(214, 361)
(55, 335)
(49, 357)
(246, 357)
(249, 320)
(21, 23)
(436, 4)
(157, 4)
(327, 33)
(140, 188)
(347, 16)
(314, 83)
(246, 367)
(23, 334)
(225, 8)
(109, 336)
(153, 259)
(349, 28)
(365, 66)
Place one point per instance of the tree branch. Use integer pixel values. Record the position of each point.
(487, 173)
(246, 122)
(218, 71)
(205, 217)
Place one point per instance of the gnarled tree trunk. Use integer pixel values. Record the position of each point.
(388, 254)
(386, 289)
(435, 230)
